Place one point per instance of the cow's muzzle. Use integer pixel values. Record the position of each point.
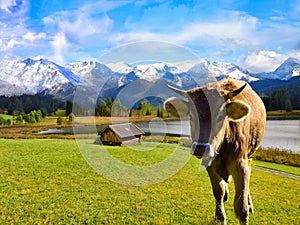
(204, 151)
(200, 149)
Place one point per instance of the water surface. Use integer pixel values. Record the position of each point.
(281, 134)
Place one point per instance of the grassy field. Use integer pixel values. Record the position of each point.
(283, 112)
(279, 167)
(283, 115)
(47, 181)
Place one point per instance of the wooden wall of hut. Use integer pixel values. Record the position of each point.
(110, 138)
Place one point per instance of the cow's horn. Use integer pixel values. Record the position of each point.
(235, 92)
(178, 91)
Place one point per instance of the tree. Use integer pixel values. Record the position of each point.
(159, 111)
(8, 122)
(118, 109)
(44, 112)
(288, 105)
(2, 120)
(69, 107)
(59, 120)
(71, 117)
(30, 118)
(104, 109)
(19, 119)
(38, 115)
(145, 108)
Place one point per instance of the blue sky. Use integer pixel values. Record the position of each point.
(257, 35)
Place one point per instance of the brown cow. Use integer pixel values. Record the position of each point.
(227, 120)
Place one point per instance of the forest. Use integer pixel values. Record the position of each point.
(27, 103)
(282, 100)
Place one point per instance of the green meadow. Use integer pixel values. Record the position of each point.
(48, 181)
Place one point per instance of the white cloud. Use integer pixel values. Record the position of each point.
(294, 54)
(80, 29)
(60, 47)
(9, 45)
(84, 26)
(31, 36)
(237, 30)
(13, 8)
(6, 4)
(263, 61)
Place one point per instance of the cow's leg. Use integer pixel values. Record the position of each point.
(226, 192)
(219, 191)
(250, 203)
(241, 176)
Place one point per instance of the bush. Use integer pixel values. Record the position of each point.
(71, 117)
(38, 116)
(60, 112)
(278, 156)
(2, 121)
(59, 120)
(19, 119)
(9, 122)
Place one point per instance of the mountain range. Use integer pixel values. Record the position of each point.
(42, 76)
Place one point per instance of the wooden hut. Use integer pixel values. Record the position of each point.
(118, 134)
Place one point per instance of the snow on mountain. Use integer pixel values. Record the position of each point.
(288, 69)
(211, 71)
(43, 76)
(35, 76)
(152, 72)
(90, 69)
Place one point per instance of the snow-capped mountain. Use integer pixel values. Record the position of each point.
(152, 72)
(35, 76)
(288, 69)
(90, 70)
(42, 76)
(211, 71)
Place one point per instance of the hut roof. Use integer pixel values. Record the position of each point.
(124, 130)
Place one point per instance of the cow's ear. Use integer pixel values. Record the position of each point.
(176, 107)
(237, 110)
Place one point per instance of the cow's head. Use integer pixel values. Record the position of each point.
(209, 111)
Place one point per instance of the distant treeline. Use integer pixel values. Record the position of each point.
(283, 99)
(114, 107)
(28, 103)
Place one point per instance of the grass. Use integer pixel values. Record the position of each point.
(47, 181)
(283, 115)
(283, 112)
(279, 167)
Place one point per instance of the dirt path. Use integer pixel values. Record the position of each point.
(280, 173)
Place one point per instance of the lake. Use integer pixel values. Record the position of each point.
(282, 134)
